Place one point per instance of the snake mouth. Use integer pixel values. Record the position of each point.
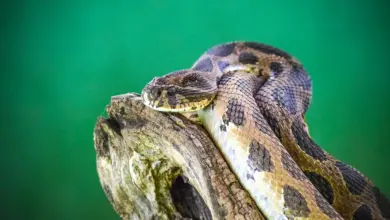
(175, 98)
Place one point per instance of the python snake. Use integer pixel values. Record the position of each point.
(252, 98)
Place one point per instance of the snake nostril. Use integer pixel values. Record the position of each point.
(156, 92)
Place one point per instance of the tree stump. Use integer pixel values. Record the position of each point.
(155, 165)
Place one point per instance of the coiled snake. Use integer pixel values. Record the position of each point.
(252, 98)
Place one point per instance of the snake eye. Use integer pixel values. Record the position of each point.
(171, 91)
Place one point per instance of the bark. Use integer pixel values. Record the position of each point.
(154, 165)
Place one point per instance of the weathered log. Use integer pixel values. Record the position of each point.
(154, 165)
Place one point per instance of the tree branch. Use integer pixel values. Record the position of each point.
(158, 165)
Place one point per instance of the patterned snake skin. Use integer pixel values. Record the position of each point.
(252, 98)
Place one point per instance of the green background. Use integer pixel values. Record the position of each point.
(62, 60)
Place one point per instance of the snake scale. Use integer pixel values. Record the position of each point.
(252, 98)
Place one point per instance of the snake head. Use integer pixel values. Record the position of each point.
(185, 90)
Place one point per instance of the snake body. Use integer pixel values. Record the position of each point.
(252, 98)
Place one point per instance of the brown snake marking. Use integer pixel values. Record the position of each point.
(251, 98)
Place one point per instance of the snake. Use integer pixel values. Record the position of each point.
(252, 98)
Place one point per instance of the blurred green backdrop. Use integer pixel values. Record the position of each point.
(62, 60)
